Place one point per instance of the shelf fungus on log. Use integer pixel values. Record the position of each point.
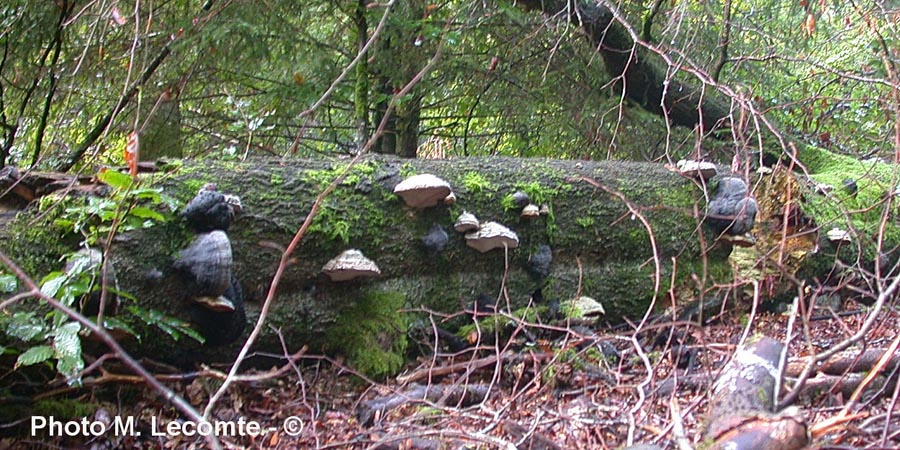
(492, 235)
(530, 211)
(215, 292)
(732, 210)
(350, 264)
(423, 191)
(583, 306)
(221, 326)
(520, 199)
(435, 240)
(696, 169)
(466, 222)
(538, 264)
(211, 210)
(206, 263)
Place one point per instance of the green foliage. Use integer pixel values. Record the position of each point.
(585, 222)
(128, 207)
(372, 333)
(64, 408)
(497, 322)
(342, 224)
(53, 335)
(476, 183)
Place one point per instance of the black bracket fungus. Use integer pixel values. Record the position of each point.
(732, 209)
(221, 327)
(205, 265)
(435, 240)
(520, 199)
(538, 265)
(217, 305)
(850, 186)
(210, 210)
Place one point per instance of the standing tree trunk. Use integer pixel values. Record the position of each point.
(403, 53)
(361, 100)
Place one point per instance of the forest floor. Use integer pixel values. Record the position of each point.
(604, 390)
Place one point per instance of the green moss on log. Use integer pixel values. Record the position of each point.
(371, 333)
(859, 212)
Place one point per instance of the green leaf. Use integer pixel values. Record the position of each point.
(70, 367)
(34, 355)
(115, 179)
(172, 326)
(66, 341)
(152, 194)
(147, 213)
(114, 323)
(25, 326)
(52, 282)
(8, 283)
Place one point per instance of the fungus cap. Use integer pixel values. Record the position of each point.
(839, 235)
(220, 303)
(423, 190)
(696, 169)
(492, 235)
(207, 263)
(582, 307)
(466, 222)
(350, 264)
(531, 211)
(450, 199)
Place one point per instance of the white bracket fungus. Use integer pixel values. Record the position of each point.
(423, 191)
(492, 235)
(350, 264)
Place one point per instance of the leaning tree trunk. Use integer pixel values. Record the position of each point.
(639, 75)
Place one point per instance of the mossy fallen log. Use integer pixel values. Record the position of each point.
(600, 240)
(626, 234)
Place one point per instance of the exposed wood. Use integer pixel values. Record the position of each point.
(741, 414)
(853, 360)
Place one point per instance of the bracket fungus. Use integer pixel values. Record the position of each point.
(350, 264)
(450, 199)
(423, 191)
(211, 210)
(492, 235)
(732, 209)
(538, 264)
(583, 306)
(530, 211)
(696, 169)
(520, 199)
(466, 222)
(839, 235)
(435, 240)
(220, 325)
(206, 263)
